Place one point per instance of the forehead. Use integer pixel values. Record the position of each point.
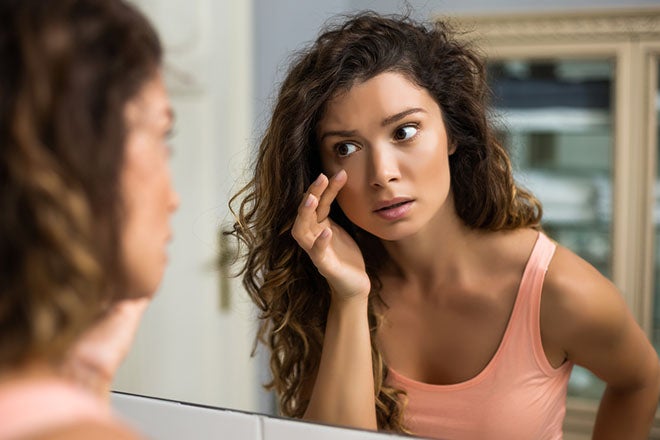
(385, 94)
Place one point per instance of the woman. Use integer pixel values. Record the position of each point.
(85, 198)
(403, 290)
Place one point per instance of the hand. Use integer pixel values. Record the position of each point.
(334, 253)
(95, 358)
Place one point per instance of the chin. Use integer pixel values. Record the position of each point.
(141, 293)
(393, 232)
(144, 287)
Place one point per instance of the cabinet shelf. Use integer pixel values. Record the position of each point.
(552, 119)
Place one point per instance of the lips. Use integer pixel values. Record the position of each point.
(394, 209)
(392, 203)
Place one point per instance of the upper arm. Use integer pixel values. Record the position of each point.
(584, 315)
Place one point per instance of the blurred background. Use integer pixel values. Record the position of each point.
(576, 101)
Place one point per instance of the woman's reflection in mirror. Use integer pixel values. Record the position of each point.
(402, 275)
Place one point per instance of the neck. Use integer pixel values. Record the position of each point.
(29, 370)
(441, 253)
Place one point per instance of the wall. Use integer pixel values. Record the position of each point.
(283, 26)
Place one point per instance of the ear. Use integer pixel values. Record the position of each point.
(452, 148)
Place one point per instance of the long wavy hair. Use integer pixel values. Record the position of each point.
(67, 70)
(292, 296)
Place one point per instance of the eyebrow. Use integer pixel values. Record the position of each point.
(401, 115)
(387, 121)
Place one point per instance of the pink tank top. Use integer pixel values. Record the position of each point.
(519, 395)
(30, 407)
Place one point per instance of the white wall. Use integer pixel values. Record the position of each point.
(189, 347)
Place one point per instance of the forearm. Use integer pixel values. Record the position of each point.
(343, 393)
(627, 414)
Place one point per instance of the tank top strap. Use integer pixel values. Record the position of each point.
(537, 265)
(531, 287)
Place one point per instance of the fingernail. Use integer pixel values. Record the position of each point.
(309, 201)
(325, 233)
(318, 180)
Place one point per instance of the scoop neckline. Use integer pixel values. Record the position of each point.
(481, 375)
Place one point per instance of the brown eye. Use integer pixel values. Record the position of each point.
(404, 133)
(345, 149)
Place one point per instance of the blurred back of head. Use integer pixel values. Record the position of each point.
(67, 70)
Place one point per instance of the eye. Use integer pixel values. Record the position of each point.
(345, 149)
(405, 132)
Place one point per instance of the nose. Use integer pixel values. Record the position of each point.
(384, 166)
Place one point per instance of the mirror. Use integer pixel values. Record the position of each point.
(224, 62)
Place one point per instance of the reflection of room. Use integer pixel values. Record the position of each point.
(556, 119)
(575, 99)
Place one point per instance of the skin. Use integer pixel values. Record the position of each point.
(149, 197)
(385, 138)
(149, 201)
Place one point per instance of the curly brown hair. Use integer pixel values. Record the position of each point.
(67, 70)
(279, 276)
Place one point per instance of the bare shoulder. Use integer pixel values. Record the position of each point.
(87, 430)
(585, 319)
(578, 304)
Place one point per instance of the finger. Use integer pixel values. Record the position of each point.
(305, 228)
(320, 245)
(316, 189)
(318, 186)
(335, 184)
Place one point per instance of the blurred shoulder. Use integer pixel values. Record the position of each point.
(89, 430)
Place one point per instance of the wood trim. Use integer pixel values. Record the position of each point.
(651, 55)
(626, 232)
(609, 25)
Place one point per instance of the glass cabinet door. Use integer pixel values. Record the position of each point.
(556, 118)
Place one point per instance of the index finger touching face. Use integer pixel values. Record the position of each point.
(318, 186)
(335, 184)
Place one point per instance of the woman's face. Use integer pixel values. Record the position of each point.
(389, 136)
(147, 192)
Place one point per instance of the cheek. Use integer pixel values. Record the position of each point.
(351, 199)
(145, 196)
(329, 167)
(432, 161)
